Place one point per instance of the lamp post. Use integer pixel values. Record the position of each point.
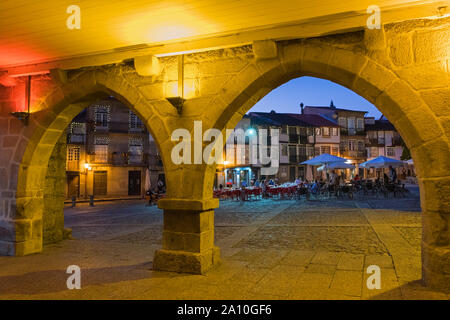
(87, 168)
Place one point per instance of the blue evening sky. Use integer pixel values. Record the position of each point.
(313, 92)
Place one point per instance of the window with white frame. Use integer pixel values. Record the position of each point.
(351, 145)
(342, 122)
(73, 153)
(334, 131)
(325, 131)
(102, 116)
(317, 131)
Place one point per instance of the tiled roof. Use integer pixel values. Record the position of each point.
(380, 125)
(335, 109)
(290, 119)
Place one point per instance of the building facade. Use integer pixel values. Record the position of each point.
(108, 153)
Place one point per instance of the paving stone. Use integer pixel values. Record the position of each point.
(349, 261)
(297, 258)
(330, 258)
(320, 268)
(347, 282)
(381, 261)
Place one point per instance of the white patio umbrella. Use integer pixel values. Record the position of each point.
(336, 165)
(381, 162)
(148, 184)
(323, 159)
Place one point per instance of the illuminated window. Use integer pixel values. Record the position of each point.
(73, 153)
(101, 153)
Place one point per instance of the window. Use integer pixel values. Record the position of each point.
(310, 151)
(135, 154)
(101, 153)
(284, 129)
(316, 151)
(390, 152)
(351, 145)
(317, 131)
(343, 146)
(360, 124)
(310, 131)
(343, 122)
(302, 151)
(351, 126)
(284, 150)
(101, 140)
(325, 131)
(335, 151)
(102, 114)
(335, 131)
(73, 154)
(373, 152)
(360, 146)
(134, 122)
(325, 149)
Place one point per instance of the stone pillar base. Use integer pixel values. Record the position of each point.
(18, 249)
(186, 262)
(436, 267)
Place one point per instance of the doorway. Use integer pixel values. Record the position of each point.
(134, 183)
(100, 183)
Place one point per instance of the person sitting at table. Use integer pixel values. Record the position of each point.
(264, 188)
(271, 183)
(257, 183)
(356, 178)
(297, 181)
(315, 187)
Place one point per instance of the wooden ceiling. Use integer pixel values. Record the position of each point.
(35, 31)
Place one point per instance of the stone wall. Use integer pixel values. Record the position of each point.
(54, 189)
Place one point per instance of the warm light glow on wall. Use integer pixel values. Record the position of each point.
(169, 22)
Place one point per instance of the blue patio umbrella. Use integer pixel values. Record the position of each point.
(323, 159)
(381, 162)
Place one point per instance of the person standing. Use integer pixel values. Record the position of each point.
(392, 175)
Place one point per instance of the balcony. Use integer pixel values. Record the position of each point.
(352, 132)
(73, 165)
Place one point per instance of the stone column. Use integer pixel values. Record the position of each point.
(188, 236)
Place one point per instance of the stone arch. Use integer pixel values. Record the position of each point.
(45, 128)
(369, 75)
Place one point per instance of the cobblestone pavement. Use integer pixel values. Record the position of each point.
(271, 249)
